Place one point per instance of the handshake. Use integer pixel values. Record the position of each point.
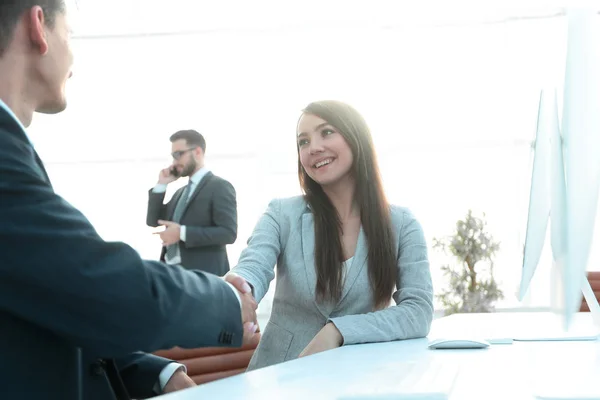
(248, 305)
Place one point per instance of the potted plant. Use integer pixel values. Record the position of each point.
(472, 287)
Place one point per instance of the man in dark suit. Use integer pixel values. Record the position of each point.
(75, 311)
(201, 218)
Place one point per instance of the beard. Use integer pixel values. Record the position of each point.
(189, 168)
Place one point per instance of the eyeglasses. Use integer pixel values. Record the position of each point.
(178, 154)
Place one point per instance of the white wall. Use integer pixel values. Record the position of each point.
(452, 109)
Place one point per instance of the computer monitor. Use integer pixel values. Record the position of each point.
(581, 144)
(566, 173)
(539, 194)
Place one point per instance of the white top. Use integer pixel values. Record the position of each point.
(346, 265)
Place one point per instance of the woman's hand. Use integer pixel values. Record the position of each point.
(329, 337)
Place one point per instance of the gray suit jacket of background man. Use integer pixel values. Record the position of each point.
(210, 218)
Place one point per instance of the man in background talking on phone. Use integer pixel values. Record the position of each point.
(201, 218)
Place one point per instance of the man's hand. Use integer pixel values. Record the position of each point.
(249, 304)
(179, 381)
(171, 234)
(165, 177)
(329, 337)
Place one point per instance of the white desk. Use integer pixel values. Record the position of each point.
(522, 326)
(500, 372)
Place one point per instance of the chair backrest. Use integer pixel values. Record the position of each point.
(211, 363)
(594, 279)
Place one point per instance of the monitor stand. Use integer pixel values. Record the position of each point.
(557, 289)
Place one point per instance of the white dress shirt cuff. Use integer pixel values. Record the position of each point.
(182, 233)
(236, 293)
(159, 188)
(167, 373)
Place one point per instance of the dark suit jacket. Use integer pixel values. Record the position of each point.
(70, 302)
(210, 218)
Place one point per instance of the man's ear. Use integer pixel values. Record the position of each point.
(37, 32)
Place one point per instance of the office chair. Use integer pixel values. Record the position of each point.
(594, 279)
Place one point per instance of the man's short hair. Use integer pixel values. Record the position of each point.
(12, 10)
(191, 137)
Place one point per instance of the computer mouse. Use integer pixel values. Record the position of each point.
(456, 343)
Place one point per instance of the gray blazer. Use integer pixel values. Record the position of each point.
(285, 236)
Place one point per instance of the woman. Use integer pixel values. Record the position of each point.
(342, 252)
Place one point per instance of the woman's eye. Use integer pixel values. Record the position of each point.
(326, 132)
(302, 142)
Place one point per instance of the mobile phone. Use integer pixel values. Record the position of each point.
(173, 171)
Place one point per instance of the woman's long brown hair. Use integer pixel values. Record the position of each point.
(373, 206)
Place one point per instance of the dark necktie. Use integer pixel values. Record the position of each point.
(179, 208)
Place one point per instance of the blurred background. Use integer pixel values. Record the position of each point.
(450, 91)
